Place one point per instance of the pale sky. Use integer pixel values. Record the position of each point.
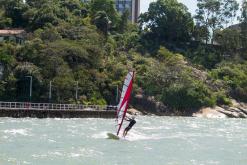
(191, 4)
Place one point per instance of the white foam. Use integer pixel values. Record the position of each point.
(136, 136)
(5, 137)
(23, 132)
(147, 148)
(84, 152)
(74, 155)
(39, 156)
(132, 136)
(25, 162)
(154, 128)
(93, 128)
(52, 141)
(56, 153)
(101, 135)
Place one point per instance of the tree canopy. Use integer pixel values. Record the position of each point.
(168, 21)
(92, 45)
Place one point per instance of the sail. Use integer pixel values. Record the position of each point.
(124, 100)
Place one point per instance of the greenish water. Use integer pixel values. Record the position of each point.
(152, 141)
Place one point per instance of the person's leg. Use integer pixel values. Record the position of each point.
(125, 131)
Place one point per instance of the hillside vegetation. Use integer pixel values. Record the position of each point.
(181, 61)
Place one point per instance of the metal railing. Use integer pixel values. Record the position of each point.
(49, 106)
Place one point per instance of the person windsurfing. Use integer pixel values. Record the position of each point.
(132, 122)
(122, 107)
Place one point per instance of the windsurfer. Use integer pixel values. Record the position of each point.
(132, 122)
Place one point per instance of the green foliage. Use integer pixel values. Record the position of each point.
(2, 88)
(201, 33)
(70, 43)
(214, 14)
(167, 21)
(205, 56)
(5, 58)
(222, 98)
(14, 10)
(72, 5)
(163, 53)
(192, 96)
(45, 15)
(243, 26)
(234, 75)
(102, 21)
(108, 6)
(96, 99)
(229, 39)
(4, 21)
(176, 83)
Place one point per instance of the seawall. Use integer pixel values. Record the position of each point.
(22, 113)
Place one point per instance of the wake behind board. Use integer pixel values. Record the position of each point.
(112, 136)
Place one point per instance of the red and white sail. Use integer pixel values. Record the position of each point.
(124, 100)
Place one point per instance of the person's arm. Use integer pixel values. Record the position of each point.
(127, 118)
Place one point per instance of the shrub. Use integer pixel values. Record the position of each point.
(235, 76)
(196, 95)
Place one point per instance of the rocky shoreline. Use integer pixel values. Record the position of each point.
(236, 110)
(148, 106)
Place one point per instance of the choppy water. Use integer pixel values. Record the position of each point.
(152, 141)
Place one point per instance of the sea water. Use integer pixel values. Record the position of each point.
(152, 141)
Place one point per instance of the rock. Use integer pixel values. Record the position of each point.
(149, 104)
(233, 114)
(210, 113)
(237, 110)
(133, 111)
(243, 110)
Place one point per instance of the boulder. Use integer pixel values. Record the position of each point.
(133, 111)
(150, 105)
(210, 113)
(236, 110)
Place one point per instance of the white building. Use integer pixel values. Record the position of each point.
(14, 35)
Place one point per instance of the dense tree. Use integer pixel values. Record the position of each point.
(5, 22)
(201, 33)
(176, 83)
(234, 75)
(108, 6)
(70, 43)
(14, 9)
(243, 25)
(167, 21)
(214, 14)
(230, 11)
(36, 3)
(102, 21)
(72, 5)
(229, 39)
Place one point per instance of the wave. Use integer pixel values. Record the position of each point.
(24, 132)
